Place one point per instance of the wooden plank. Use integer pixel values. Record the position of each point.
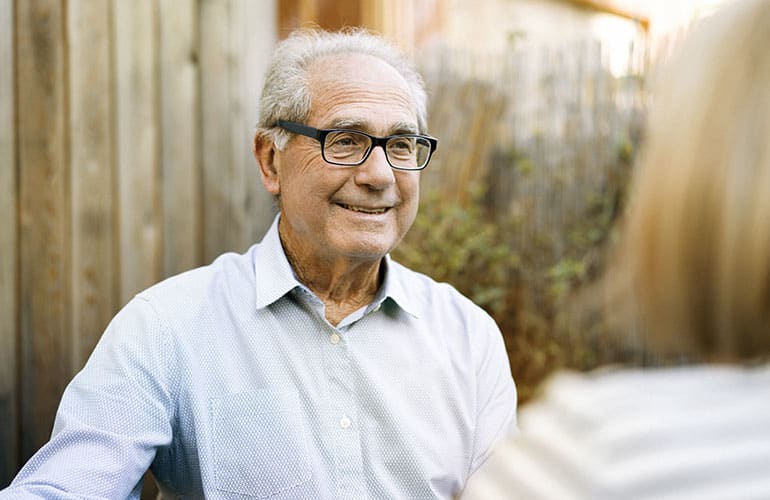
(236, 184)
(295, 13)
(44, 215)
(138, 172)
(234, 55)
(255, 208)
(9, 411)
(92, 165)
(338, 14)
(180, 159)
(216, 154)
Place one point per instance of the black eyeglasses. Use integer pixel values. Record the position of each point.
(352, 147)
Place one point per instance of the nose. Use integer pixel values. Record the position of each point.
(375, 172)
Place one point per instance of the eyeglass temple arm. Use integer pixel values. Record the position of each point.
(300, 129)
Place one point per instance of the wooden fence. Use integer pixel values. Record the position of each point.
(125, 134)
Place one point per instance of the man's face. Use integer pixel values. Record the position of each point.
(355, 213)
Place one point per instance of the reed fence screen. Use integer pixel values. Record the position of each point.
(536, 147)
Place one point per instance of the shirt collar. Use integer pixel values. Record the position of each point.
(275, 276)
(395, 288)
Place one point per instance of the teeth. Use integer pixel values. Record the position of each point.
(364, 210)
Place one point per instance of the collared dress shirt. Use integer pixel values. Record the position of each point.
(228, 382)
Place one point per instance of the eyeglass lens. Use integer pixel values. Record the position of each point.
(350, 147)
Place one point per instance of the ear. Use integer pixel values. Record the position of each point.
(264, 152)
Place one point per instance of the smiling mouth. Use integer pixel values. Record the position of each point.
(373, 211)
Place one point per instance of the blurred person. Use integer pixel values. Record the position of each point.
(692, 269)
(312, 366)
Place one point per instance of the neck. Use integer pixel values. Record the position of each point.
(342, 284)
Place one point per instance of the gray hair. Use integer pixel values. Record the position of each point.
(286, 92)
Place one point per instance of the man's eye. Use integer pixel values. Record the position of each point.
(401, 147)
(345, 140)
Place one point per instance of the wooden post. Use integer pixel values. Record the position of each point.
(9, 412)
(141, 234)
(180, 136)
(393, 19)
(237, 209)
(91, 132)
(255, 206)
(44, 214)
(215, 110)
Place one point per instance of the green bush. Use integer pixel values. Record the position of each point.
(528, 289)
(459, 244)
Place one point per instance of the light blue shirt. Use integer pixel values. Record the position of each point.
(228, 382)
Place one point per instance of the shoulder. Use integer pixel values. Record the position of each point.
(619, 433)
(615, 409)
(612, 393)
(435, 298)
(229, 268)
(227, 281)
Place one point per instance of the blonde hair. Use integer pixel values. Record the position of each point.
(694, 254)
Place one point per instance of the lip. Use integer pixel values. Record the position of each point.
(364, 210)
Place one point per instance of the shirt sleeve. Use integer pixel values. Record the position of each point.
(112, 418)
(496, 392)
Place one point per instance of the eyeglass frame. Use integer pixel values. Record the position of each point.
(320, 136)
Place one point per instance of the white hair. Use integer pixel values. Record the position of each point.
(286, 92)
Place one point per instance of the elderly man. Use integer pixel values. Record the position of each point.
(312, 366)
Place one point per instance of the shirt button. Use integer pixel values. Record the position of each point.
(345, 422)
(335, 338)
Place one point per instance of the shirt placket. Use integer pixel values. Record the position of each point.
(343, 419)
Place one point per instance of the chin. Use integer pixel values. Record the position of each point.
(373, 243)
(368, 250)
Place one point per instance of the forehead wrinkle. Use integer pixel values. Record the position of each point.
(377, 101)
(400, 127)
(338, 106)
(338, 91)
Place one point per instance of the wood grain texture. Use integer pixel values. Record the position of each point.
(180, 136)
(138, 131)
(103, 134)
(9, 412)
(91, 132)
(237, 209)
(219, 227)
(44, 213)
(254, 207)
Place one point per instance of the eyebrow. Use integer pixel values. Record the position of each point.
(355, 124)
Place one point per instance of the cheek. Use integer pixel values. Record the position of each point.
(298, 158)
(299, 174)
(411, 213)
(409, 185)
(410, 193)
